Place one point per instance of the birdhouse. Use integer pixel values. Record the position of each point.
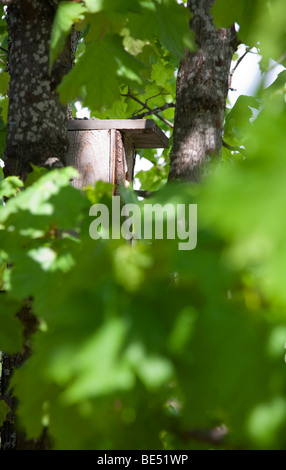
(104, 150)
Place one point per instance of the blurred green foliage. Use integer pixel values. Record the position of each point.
(139, 344)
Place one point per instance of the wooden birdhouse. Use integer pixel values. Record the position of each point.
(104, 150)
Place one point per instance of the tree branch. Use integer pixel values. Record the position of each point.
(156, 96)
(154, 111)
(209, 436)
(150, 110)
(234, 148)
(143, 193)
(239, 60)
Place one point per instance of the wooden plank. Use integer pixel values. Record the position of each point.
(130, 156)
(122, 159)
(101, 155)
(142, 133)
(89, 153)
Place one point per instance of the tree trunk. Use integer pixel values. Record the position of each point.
(11, 437)
(36, 131)
(202, 88)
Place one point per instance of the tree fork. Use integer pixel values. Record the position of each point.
(202, 88)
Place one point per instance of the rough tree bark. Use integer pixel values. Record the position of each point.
(36, 131)
(202, 88)
(12, 438)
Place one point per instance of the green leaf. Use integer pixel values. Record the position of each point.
(11, 329)
(34, 175)
(134, 262)
(110, 40)
(260, 203)
(162, 73)
(3, 267)
(4, 82)
(167, 21)
(238, 120)
(1, 179)
(277, 87)
(183, 330)
(269, 32)
(154, 178)
(154, 371)
(4, 112)
(112, 64)
(266, 421)
(94, 6)
(82, 81)
(36, 199)
(67, 14)
(100, 368)
(121, 6)
(261, 24)
(4, 410)
(228, 12)
(100, 190)
(3, 121)
(10, 186)
(173, 22)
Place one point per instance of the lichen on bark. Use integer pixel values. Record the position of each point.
(202, 87)
(36, 131)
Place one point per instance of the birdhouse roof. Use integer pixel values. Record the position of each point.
(143, 133)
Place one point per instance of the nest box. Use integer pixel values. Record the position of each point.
(104, 150)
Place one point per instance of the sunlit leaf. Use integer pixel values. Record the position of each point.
(89, 75)
(67, 14)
